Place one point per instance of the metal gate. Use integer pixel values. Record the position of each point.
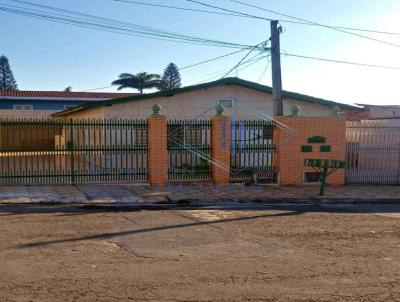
(72, 151)
(252, 151)
(373, 151)
(189, 150)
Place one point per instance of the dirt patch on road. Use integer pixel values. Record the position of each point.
(276, 254)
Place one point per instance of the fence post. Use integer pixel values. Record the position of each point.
(71, 123)
(157, 155)
(220, 146)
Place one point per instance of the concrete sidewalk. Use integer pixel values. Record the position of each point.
(140, 194)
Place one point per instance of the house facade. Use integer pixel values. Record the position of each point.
(241, 99)
(32, 104)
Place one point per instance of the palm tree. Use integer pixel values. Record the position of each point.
(139, 81)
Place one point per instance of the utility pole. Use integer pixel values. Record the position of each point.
(276, 68)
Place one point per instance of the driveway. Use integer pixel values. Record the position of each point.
(225, 253)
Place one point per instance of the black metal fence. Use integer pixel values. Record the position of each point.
(189, 150)
(50, 151)
(252, 151)
(45, 151)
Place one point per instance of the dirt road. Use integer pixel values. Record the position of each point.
(270, 253)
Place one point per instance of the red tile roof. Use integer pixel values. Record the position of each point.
(63, 94)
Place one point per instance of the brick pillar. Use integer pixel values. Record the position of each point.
(293, 146)
(157, 153)
(220, 148)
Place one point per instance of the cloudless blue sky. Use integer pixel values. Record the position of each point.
(52, 56)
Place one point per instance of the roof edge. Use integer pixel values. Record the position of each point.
(225, 81)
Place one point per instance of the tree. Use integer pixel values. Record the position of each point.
(7, 81)
(68, 89)
(171, 78)
(139, 81)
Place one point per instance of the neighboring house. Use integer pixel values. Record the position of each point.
(242, 99)
(379, 111)
(44, 103)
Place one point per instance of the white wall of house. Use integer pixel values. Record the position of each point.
(199, 104)
(383, 111)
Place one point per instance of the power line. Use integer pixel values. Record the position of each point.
(212, 59)
(292, 17)
(373, 31)
(160, 35)
(242, 59)
(341, 62)
(228, 10)
(187, 66)
(313, 23)
(179, 8)
(265, 69)
(254, 16)
(120, 27)
(246, 64)
(110, 25)
(100, 88)
(257, 58)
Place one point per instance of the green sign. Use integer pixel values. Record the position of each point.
(322, 163)
(325, 148)
(316, 140)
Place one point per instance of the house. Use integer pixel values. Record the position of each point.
(44, 103)
(379, 111)
(242, 99)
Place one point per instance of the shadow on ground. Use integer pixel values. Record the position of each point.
(289, 210)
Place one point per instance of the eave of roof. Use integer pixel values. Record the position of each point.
(380, 106)
(50, 99)
(225, 81)
(62, 94)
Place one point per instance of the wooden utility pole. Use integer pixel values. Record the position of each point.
(276, 69)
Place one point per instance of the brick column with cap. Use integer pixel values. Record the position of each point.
(157, 153)
(220, 146)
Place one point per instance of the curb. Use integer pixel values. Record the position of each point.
(189, 202)
(324, 200)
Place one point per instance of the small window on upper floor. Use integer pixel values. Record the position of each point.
(66, 107)
(226, 103)
(23, 107)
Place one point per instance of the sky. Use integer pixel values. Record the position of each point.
(51, 56)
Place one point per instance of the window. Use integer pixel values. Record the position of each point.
(226, 103)
(23, 107)
(66, 107)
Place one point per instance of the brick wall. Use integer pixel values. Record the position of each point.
(157, 154)
(220, 149)
(289, 159)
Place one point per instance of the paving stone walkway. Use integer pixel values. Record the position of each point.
(191, 193)
(241, 193)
